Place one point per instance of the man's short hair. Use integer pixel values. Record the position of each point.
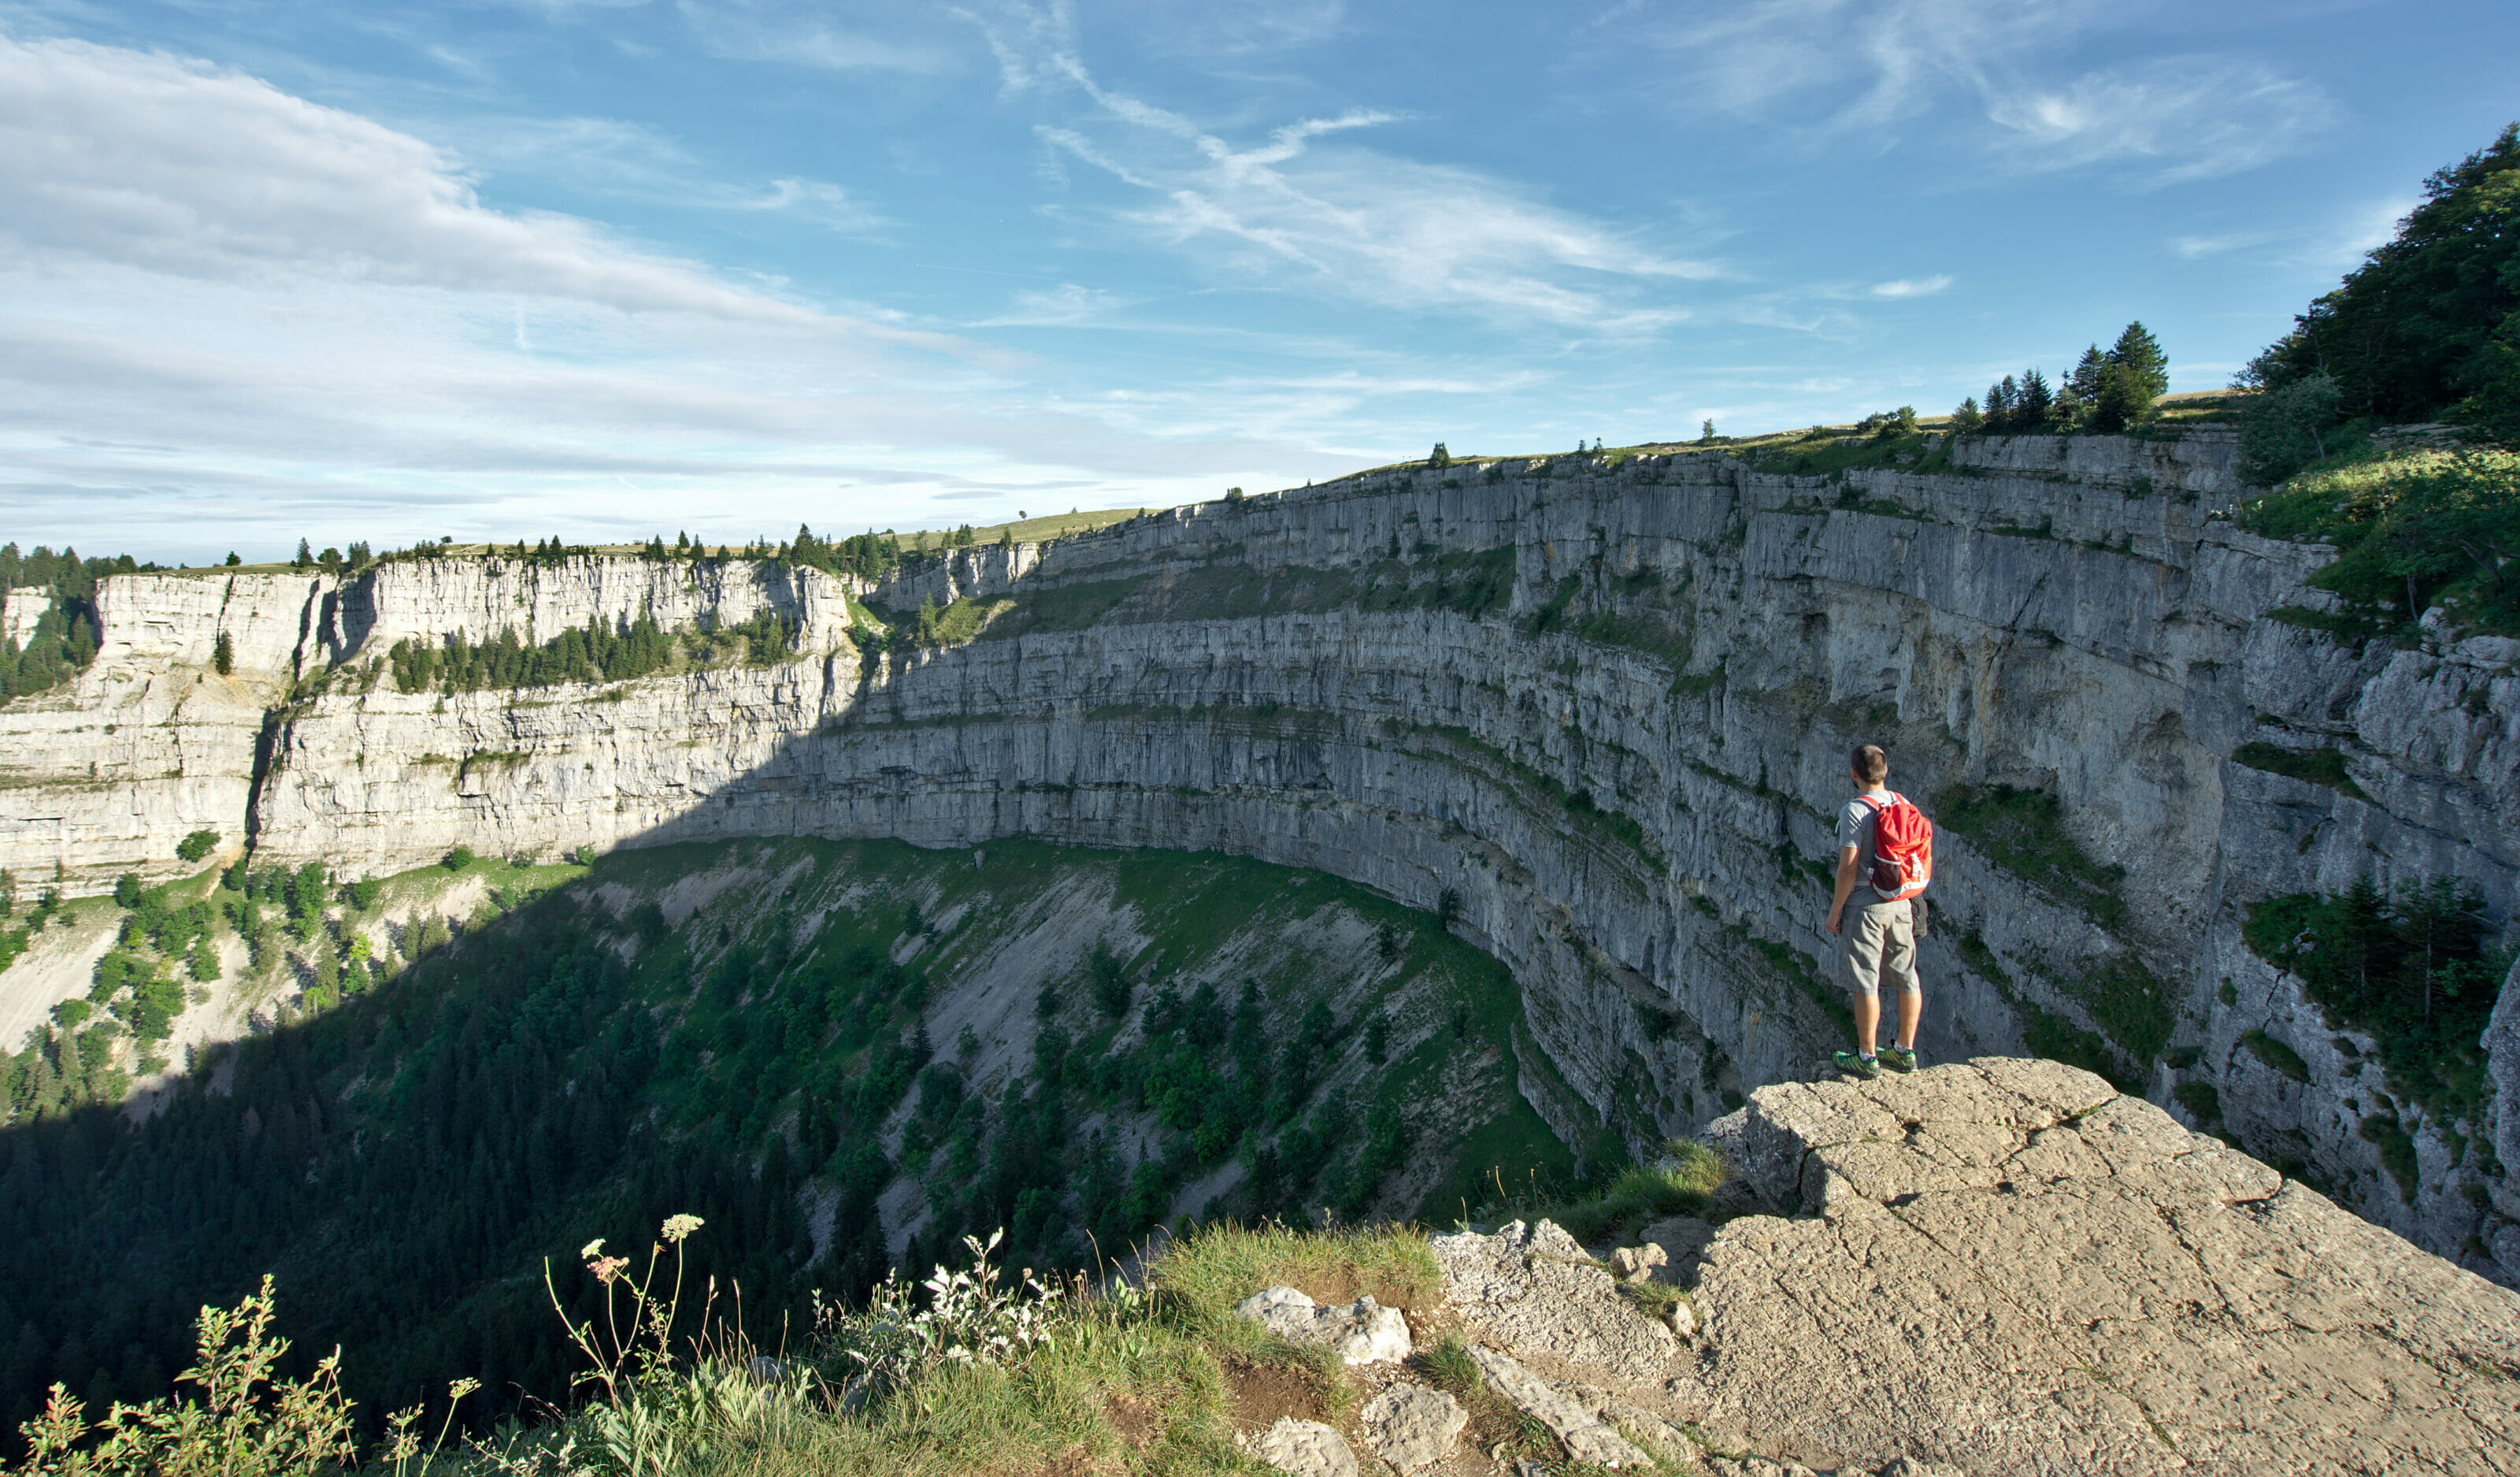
(1870, 765)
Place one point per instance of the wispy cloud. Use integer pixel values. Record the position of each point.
(2180, 120)
(827, 37)
(1295, 209)
(1836, 68)
(1064, 305)
(1912, 287)
(611, 159)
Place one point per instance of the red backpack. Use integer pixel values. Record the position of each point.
(1902, 848)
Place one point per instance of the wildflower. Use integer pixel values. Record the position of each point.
(592, 1249)
(679, 1227)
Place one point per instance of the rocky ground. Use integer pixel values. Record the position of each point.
(2001, 1266)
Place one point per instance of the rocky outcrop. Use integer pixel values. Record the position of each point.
(1597, 711)
(2010, 1267)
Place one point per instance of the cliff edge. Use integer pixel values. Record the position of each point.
(2010, 1267)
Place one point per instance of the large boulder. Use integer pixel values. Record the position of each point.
(2009, 1266)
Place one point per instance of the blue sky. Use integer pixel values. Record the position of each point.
(595, 268)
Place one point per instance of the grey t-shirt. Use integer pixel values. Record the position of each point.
(1854, 823)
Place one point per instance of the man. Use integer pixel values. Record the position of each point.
(1876, 937)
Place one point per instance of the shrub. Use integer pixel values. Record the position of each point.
(2275, 1053)
(245, 1421)
(458, 857)
(2199, 1099)
(223, 654)
(197, 844)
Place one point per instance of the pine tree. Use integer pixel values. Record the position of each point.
(305, 556)
(2084, 384)
(1999, 397)
(2140, 353)
(1706, 432)
(2035, 400)
(1967, 419)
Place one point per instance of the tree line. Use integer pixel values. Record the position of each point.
(2107, 390)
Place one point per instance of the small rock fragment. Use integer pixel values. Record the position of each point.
(1636, 1263)
(1277, 1308)
(1362, 1332)
(1305, 1449)
(1682, 1321)
(1411, 1426)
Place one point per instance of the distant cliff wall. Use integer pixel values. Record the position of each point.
(1600, 711)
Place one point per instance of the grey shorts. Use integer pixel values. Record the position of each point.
(1876, 947)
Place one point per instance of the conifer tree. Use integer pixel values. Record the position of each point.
(2036, 399)
(2138, 352)
(2084, 384)
(1967, 419)
(305, 556)
(1999, 397)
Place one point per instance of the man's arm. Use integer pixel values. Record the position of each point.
(1846, 874)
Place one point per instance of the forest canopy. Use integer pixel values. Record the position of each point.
(2428, 327)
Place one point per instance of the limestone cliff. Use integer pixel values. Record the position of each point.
(1603, 707)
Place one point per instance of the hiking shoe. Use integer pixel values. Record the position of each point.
(1899, 1058)
(1856, 1065)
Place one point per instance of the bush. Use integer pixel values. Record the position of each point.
(197, 844)
(2200, 1099)
(223, 654)
(126, 889)
(458, 858)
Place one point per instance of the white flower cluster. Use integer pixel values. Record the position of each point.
(969, 1317)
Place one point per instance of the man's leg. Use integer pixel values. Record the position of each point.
(1868, 1021)
(1899, 972)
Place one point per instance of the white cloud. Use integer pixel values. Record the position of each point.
(1840, 69)
(2194, 247)
(610, 159)
(824, 36)
(2182, 120)
(148, 161)
(1054, 307)
(1912, 287)
(229, 315)
(1358, 223)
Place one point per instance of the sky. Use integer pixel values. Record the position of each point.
(602, 268)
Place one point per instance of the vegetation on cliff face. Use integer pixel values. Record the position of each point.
(2415, 529)
(2414, 967)
(594, 653)
(65, 637)
(404, 1161)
